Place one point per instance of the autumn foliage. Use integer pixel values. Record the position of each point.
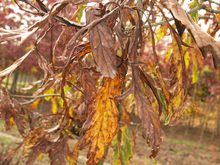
(100, 73)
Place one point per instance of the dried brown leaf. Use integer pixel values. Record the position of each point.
(149, 117)
(11, 110)
(58, 152)
(38, 141)
(102, 44)
(204, 41)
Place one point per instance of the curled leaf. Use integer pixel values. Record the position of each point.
(102, 44)
(149, 117)
(204, 41)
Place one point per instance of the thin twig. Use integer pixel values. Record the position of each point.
(45, 11)
(199, 7)
(32, 97)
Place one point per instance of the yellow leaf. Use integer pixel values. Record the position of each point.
(71, 111)
(178, 92)
(195, 72)
(49, 91)
(34, 69)
(179, 71)
(176, 101)
(168, 53)
(217, 16)
(186, 59)
(35, 104)
(161, 32)
(31, 140)
(103, 125)
(11, 121)
(40, 156)
(54, 105)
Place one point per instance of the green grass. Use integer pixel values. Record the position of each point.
(188, 143)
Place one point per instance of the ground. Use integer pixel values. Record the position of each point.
(181, 146)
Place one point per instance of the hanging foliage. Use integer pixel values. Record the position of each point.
(104, 64)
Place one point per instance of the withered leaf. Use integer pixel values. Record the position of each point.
(88, 84)
(204, 41)
(149, 117)
(150, 124)
(102, 124)
(32, 144)
(103, 44)
(178, 83)
(58, 152)
(10, 109)
(38, 141)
